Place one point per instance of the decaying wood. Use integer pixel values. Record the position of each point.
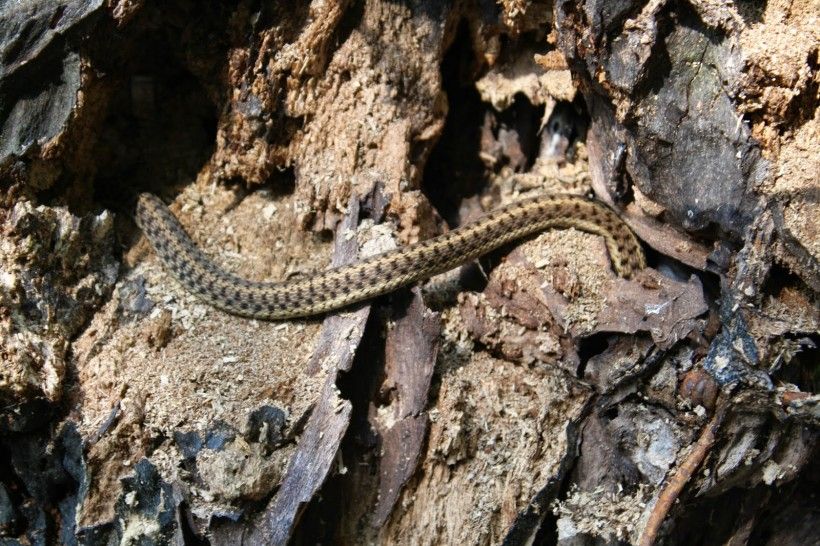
(328, 421)
(672, 489)
(533, 397)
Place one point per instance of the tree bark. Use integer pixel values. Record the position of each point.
(533, 397)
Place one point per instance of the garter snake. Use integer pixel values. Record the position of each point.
(340, 287)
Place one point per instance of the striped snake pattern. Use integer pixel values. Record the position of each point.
(340, 287)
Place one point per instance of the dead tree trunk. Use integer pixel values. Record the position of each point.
(532, 398)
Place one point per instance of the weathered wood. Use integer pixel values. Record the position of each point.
(542, 400)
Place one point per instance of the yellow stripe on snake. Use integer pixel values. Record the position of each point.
(340, 287)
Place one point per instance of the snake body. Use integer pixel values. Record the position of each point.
(340, 287)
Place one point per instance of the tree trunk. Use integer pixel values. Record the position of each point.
(532, 397)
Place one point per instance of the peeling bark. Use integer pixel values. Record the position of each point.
(532, 397)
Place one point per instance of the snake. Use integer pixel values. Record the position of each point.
(340, 287)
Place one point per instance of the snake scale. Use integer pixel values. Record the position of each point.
(340, 287)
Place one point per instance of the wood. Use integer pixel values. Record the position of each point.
(530, 398)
